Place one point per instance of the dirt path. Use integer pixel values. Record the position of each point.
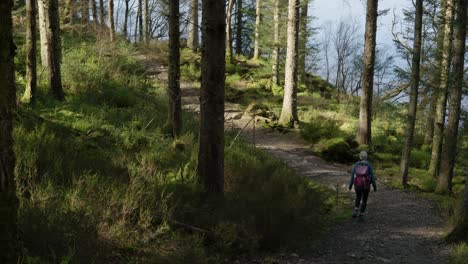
(400, 227)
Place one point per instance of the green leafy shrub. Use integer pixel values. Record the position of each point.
(319, 127)
(459, 254)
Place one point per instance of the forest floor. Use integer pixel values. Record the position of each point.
(399, 226)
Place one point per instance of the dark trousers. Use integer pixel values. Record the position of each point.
(361, 194)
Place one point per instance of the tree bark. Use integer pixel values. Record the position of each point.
(211, 145)
(147, 21)
(239, 28)
(31, 72)
(415, 78)
(229, 31)
(125, 25)
(435, 81)
(55, 51)
(258, 15)
(192, 42)
(439, 122)
(85, 11)
(111, 21)
(94, 10)
(276, 48)
(288, 115)
(304, 33)
(140, 20)
(175, 107)
(449, 150)
(9, 246)
(102, 13)
(365, 113)
(43, 12)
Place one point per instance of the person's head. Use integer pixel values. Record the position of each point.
(363, 155)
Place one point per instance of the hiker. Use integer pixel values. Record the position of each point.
(362, 176)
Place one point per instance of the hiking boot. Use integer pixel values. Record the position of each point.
(361, 216)
(355, 212)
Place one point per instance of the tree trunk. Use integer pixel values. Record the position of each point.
(229, 31)
(84, 11)
(304, 32)
(435, 81)
(449, 150)
(211, 145)
(147, 21)
(257, 29)
(43, 12)
(415, 78)
(192, 41)
(365, 112)
(175, 118)
(140, 21)
(239, 28)
(289, 111)
(276, 48)
(31, 72)
(111, 21)
(95, 13)
(9, 246)
(439, 122)
(102, 13)
(55, 51)
(125, 25)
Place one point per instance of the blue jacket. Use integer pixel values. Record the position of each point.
(371, 172)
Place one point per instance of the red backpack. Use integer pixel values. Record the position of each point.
(362, 176)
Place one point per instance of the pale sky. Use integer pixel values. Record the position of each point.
(333, 10)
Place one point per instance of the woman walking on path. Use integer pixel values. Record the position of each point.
(362, 176)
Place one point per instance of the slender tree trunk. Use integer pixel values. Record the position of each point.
(125, 25)
(276, 48)
(67, 12)
(192, 42)
(9, 246)
(43, 12)
(140, 20)
(175, 107)
(289, 111)
(31, 73)
(435, 81)
(304, 33)
(439, 122)
(415, 78)
(55, 51)
(229, 31)
(239, 28)
(95, 13)
(102, 13)
(211, 146)
(147, 21)
(430, 119)
(111, 21)
(258, 16)
(449, 150)
(365, 113)
(85, 11)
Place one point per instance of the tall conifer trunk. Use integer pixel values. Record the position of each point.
(211, 145)
(31, 72)
(9, 246)
(175, 118)
(439, 121)
(415, 77)
(365, 112)
(192, 41)
(288, 115)
(257, 29)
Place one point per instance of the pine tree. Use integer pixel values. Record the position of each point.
(175, 118)
(211, 144)
(9, 246)
(365, 112)
(415, 78)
